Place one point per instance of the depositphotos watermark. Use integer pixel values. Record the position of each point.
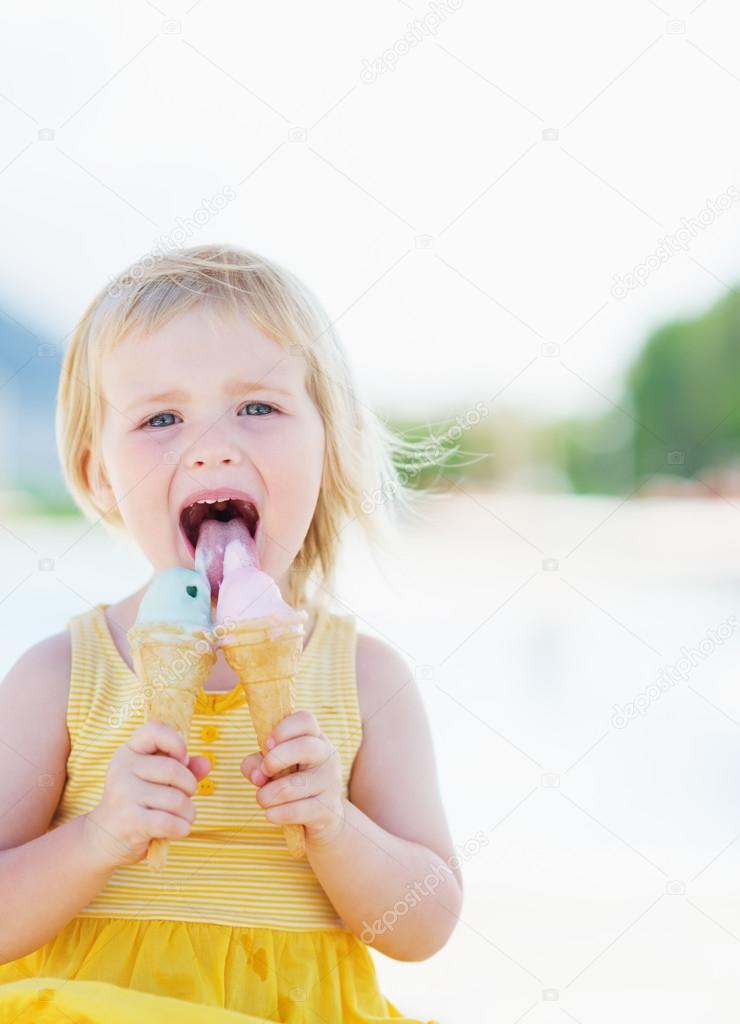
(418, 30)
(183, 230)
(431, 453)
(679, 241)
(171, 672)
(669, 675)
(417, 891)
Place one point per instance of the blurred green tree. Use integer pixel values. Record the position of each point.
(679, 414)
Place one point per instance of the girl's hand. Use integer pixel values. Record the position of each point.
(311, 796)
(147, 793)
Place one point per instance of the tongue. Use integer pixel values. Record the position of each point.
(213, 539)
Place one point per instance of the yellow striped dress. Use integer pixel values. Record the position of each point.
(233, 928)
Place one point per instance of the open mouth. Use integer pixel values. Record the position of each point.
(193, 517)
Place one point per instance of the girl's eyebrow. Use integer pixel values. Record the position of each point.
(236, 387)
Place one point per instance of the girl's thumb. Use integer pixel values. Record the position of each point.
(199, 766)
(250, 762)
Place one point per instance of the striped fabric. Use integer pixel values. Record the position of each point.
(234, 868)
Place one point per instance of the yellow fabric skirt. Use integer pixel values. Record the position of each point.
(122, 971)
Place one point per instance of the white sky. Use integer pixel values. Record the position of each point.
(158, 107)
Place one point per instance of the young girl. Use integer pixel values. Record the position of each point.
(213, 375)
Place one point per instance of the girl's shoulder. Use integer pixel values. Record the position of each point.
(380, 672)
(41, 676)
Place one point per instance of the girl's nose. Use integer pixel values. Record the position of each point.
(211, 449)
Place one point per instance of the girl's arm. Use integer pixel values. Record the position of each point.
(45, 880)
(391, 871)
(385, 857)
(45, 883)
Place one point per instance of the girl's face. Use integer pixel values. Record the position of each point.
(209, 402)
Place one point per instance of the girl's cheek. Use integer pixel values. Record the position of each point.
(146, 452)
(140, 470)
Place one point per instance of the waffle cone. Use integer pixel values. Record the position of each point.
(172, 662)
(265, 653)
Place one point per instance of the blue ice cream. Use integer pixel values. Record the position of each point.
(177, 595)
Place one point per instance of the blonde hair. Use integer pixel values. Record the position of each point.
(360, 481)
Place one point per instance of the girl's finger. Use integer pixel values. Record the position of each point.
(306, 751)
(199, 766)
(251, 763)
(300, 723)
(166, 798)
(156, 738)
(165, 771)
(296, 786)
(298, 812)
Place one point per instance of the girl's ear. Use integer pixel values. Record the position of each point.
(98, 483)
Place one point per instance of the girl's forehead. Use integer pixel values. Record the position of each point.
(199, 352)
(194, 332)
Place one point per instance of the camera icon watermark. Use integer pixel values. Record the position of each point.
(675, 27)
(550, 995)
(550, 565)
(424, 242)
(46, 564)
(297, 134)
(676, 888)
(171, 458)
(45, 135)
(171, 27)
(425, 673)
(550, 780)
(550, 349)
(46, 350)
(675, 458)
(550, 135)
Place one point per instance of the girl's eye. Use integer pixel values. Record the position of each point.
(159, 416)
(162, 415)
(264, 405)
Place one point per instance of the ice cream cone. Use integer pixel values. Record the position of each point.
(172, 661)
(264, 653)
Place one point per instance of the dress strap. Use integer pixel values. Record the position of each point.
(85, 658)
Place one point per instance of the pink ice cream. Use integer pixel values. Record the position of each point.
(227, 554)
(246, 592)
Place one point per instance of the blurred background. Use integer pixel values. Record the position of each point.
(524, 223)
